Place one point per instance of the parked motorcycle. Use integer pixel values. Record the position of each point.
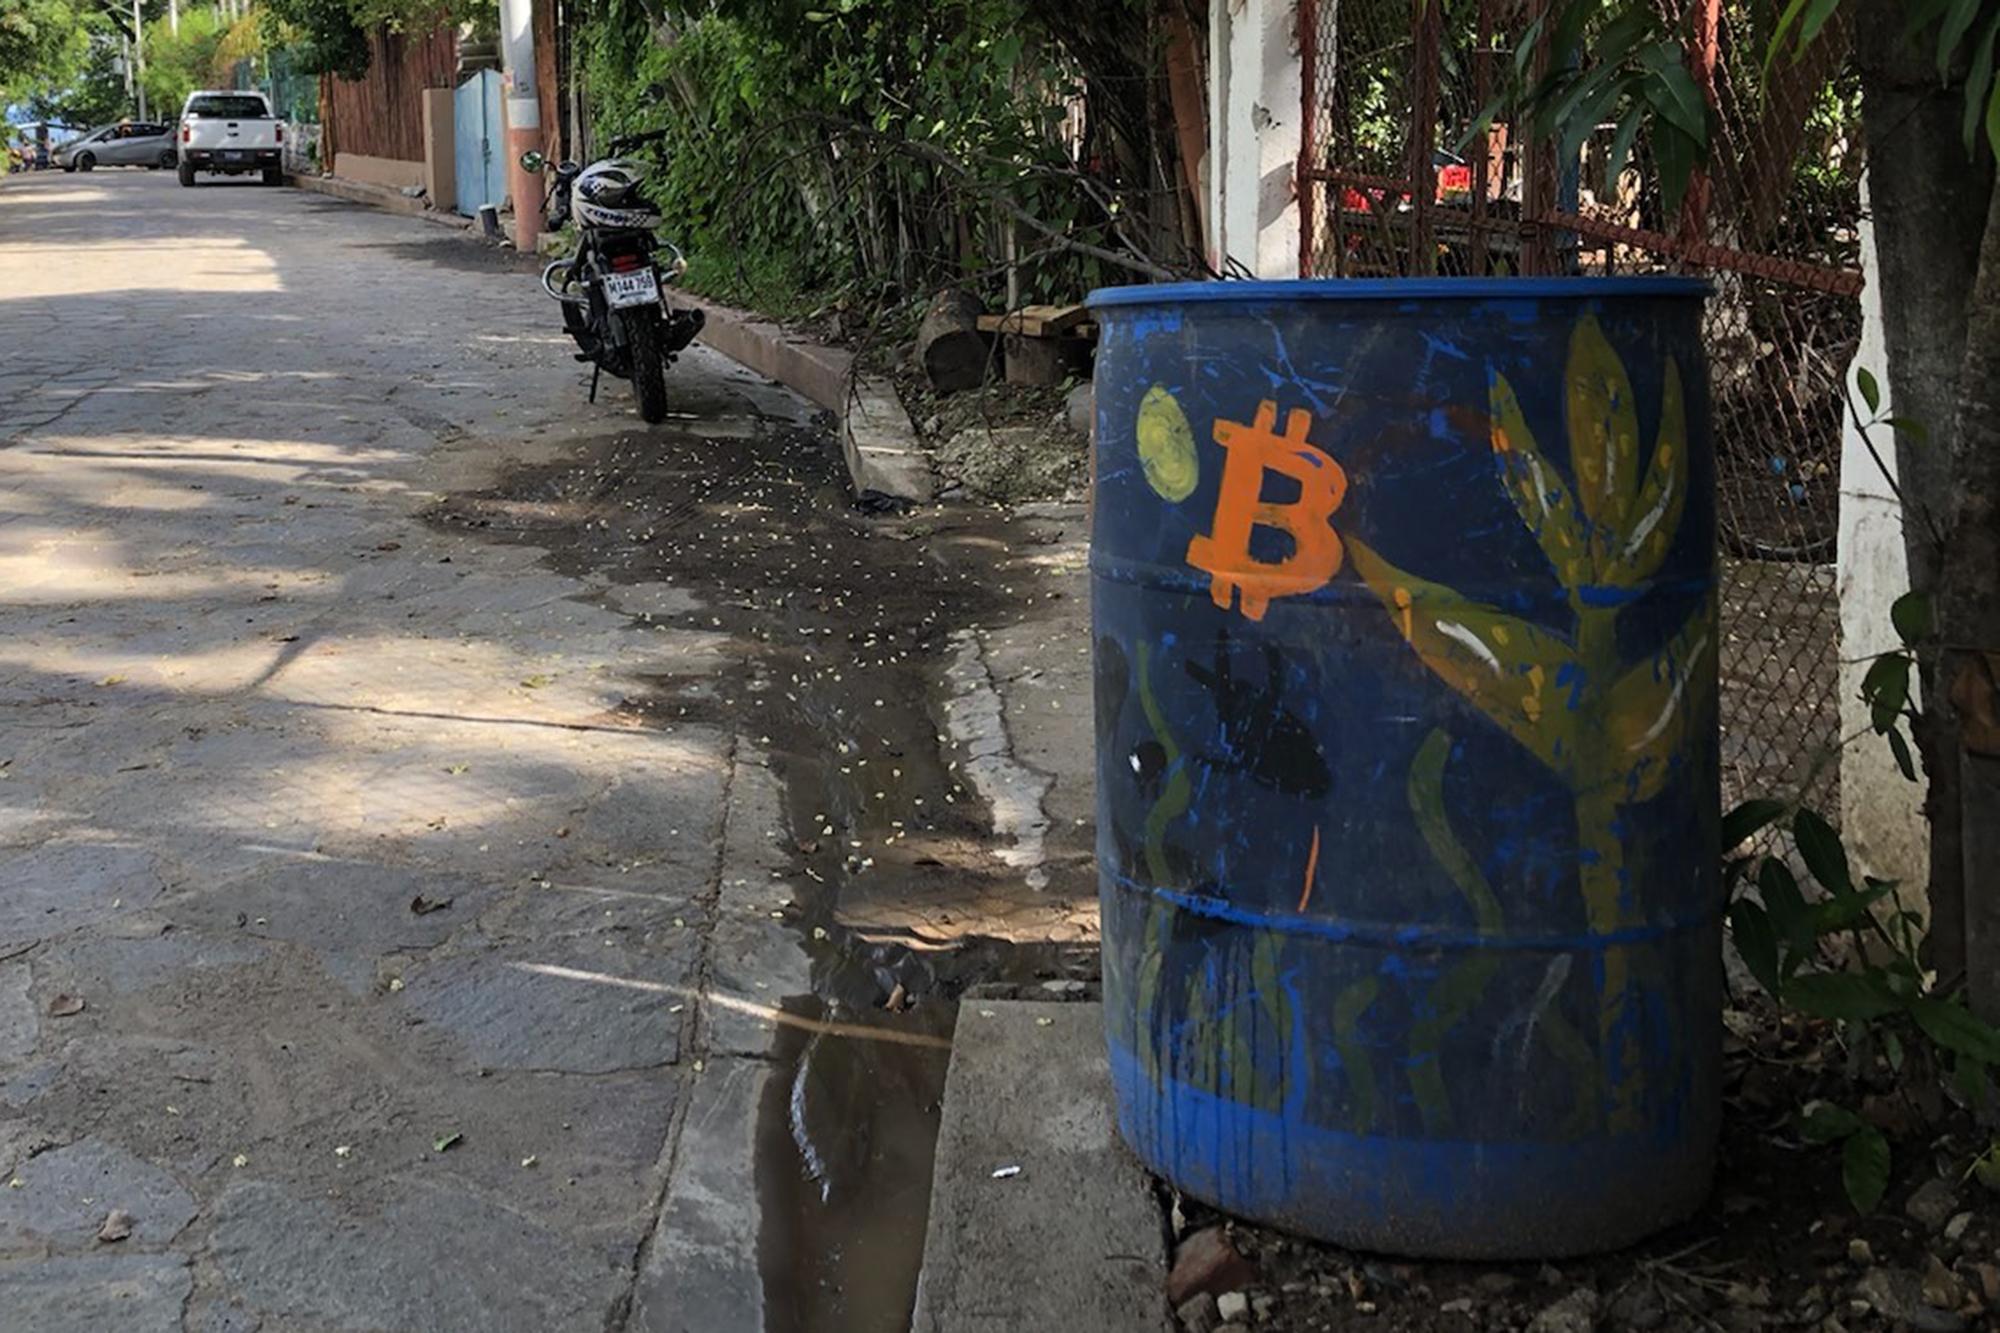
(612, 289)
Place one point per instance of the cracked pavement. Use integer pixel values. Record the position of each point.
(385, 919)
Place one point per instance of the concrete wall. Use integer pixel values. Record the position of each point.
(440, 150)
(1255, 85)
(1881, 810)
(393, 173)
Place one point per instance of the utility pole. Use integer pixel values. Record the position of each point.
(139, 55)
(524, 118)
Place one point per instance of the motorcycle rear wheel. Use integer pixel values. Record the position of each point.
(649, 362)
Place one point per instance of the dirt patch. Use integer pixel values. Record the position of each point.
(1007, 443)
(1776, 1247)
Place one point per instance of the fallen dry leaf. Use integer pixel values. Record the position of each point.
(65, 1006)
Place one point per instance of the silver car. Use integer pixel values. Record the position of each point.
(142, 143)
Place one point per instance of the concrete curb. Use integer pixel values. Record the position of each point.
(1039, 1216)
(376, 196)
(877, 437)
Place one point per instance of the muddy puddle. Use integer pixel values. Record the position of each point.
(841, 628)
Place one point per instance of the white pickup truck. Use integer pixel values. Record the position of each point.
(230, 132)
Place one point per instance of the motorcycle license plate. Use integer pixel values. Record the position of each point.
(623, 289)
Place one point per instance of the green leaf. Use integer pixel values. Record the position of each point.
(1886, 688)
(1910, 426)
(1786, 19)
(1756, 943)
(1901, 749)
(1749, 819)
(1993, 120)
(1871, 392)
(1621, 149)
(1823, 1122)
(1978, 80)
(1791, 919)
(446, 1140)
(1824, 856)
(1892, 1050)
(1864, 1168)
(1911, 615)
(1957, 21)
(1951, 1025)
(1844, 996)
(1816, 18)
(1676, 155)
(1672, 91)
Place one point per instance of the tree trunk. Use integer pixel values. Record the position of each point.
(1967, 607)
(1931, 200)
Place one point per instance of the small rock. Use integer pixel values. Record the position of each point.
(1756, 1297)
(1081, 408)
(1639, 1306)
(1206, 1261)
(1954, 1230)
(1198, 1314)
(117, 1226)
(1496, 1284)
(1549, 1275)
(1989, 1282)
(1463, 1305)
(1232, 1328)
(1932, 1204)
(1261, 1307)
(1574, 1313)
(66, 1006)
(1233, 1306)
(1942, 1288)
(1898, 1294)
(1859, 1253)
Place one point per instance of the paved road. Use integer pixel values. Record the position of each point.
(382, 913)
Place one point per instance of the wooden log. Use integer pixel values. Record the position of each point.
(952, 350)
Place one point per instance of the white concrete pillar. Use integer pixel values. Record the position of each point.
(1255, 83)
(1881, 811)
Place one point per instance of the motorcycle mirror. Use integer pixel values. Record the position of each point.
(532, 162)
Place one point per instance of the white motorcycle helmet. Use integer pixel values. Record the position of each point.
(607, 195)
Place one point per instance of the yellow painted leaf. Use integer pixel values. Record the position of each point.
(1536, 486)
(1504, 665)
(1655, 516)
(1656, 707)
(1603, 434)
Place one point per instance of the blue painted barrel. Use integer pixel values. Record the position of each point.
(1407, 758)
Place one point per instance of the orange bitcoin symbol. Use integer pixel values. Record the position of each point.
(1240, 509)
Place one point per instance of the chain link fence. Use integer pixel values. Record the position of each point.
(1392, 184)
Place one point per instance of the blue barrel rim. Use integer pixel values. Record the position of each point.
(1400, 289)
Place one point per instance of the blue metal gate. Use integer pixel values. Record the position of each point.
(479, 142)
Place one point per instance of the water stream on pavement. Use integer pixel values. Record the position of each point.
(846, 628)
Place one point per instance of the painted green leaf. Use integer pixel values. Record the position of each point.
(1426, 796)
(1603, 432)
(1650, 710)
(1348, 1007)
(1864, 1168)
(1655, 516)
(1504, 665)
(1537, 488)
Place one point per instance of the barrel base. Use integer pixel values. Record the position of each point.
(1434, 1199)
